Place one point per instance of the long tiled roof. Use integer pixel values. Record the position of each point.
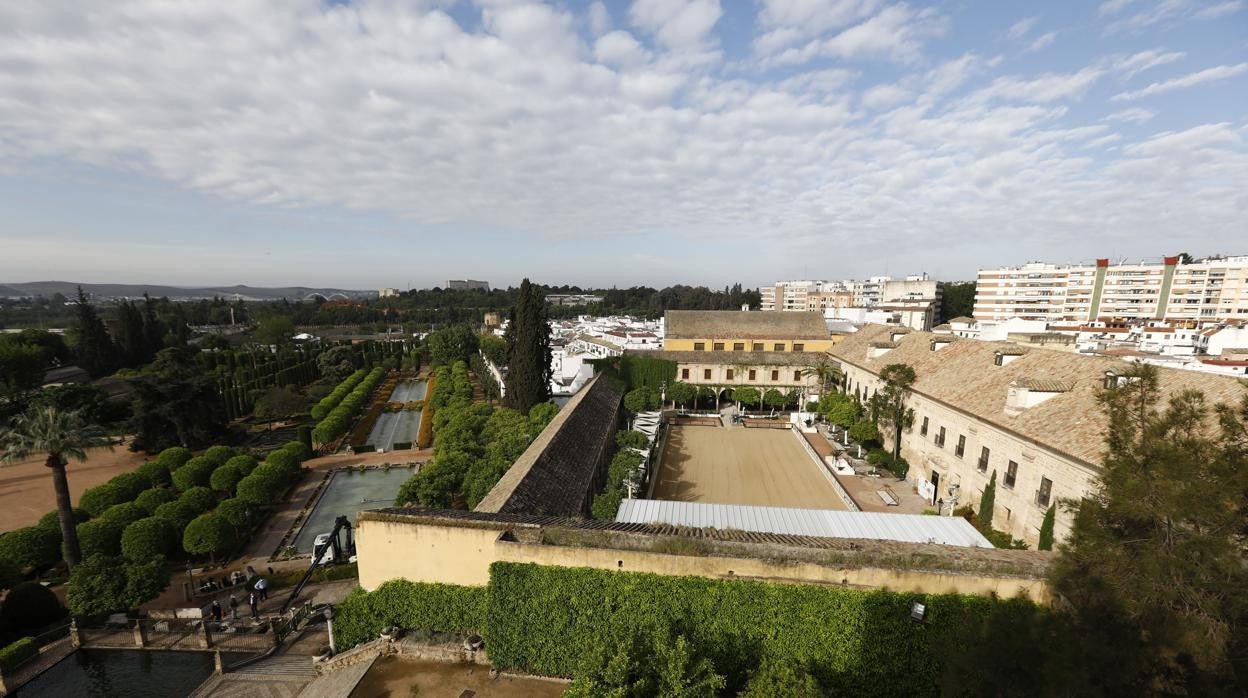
(736, 324)
(738, 358)
(964, 376)
(554, 475)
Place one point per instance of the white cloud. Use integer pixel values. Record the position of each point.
(519, 128)
(1165, 12)
(1020, 28)
(1135, 115)
(1221, 9)
(677, 24)
(599, 18)
(897, 33)
(1042, 41)
(1220, 72)
(1144, 60)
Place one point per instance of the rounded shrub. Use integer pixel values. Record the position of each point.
(284, 462)
(178, 513)
(101, 497)
(174, 457)
(244, 463)
(130, 484)
(52, 519)
(125, 513)
(208, 534)
(201, 499)
(298, 449)
(195, 473)
(235, 512)
(150, 499)
(32, 546)
(146, 538)
(262, 487)
(99, 537)
(155, 473)
(225, 478)
(30, 606)
(218, 455)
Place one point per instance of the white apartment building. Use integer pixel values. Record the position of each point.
(387, 293)
(1206, 290)
(1030, 415)
(913, 301)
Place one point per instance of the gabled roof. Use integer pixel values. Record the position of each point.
(963, 375)
(738, 324)
(738, 358)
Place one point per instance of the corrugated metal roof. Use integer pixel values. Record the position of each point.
(910, 528)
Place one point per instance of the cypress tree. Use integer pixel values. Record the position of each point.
(1046, 528)
(528, 350)
(94, 349)
(987, 502)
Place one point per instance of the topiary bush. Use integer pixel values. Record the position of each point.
(155, 472)
(52, 519)
(264, 486)
(18, 653)
(244, 463)
(201, 499)
(150, 499)
(101, 497)
(283, 461)
(174, 457)
(30, 606)
(100, 537)
(101, 584)
(196, 473)
(147, 538)
(297, 449)
(178, 513)
(225, 478)
(218, 455)
(125, 513)
(32, 546)
(236, 513)
(208, 534)
(130, 484)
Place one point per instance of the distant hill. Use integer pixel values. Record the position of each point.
(250, 293)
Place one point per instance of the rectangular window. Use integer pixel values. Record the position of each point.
(961, 447)
(923, 427)
(738, 346)
(778, 346)
(775, 375)
(730, 374)
(758, 346)
(797, 375)
(752, 374)
(706, 374)
(1045, 492)
(719, 346)
(684, 374)
(940, 437)
(799, 347)
(699, 346)
(1011, 475)
(983, 459)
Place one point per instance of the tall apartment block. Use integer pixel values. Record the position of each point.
(827, 295)
(467, 285)
(1205, 290)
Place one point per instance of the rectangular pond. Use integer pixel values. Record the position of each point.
(394, 428)
(124, 673)
(347, 494)
(408, 391)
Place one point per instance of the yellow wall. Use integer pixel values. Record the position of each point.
(451, 554)
(768, 344)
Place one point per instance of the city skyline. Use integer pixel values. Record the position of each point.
(372, 144)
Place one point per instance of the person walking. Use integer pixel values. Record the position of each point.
(216, 610)
(262, 586)
(233, 607)
(255, 606)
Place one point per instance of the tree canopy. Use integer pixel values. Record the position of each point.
(528, 351)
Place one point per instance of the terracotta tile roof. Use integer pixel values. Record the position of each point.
(963, 318)
(963, 376)
(1044, 386)
(736, 324)
(1010, 350)
(737, 358)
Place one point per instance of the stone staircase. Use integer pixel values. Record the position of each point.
(281, 676)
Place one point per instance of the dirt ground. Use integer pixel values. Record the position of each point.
(393, 677)
(765, 467)
(26, 486)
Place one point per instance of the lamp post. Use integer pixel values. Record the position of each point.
(190, 584)
(329, 624)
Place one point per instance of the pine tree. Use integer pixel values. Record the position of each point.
(131, 342)
(528, 351)
(94, 349)
(988, 502)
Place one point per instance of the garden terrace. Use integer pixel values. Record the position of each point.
(559, 473)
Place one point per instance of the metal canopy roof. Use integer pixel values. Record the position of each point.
(823, 523)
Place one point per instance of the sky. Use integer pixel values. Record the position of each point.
(399, 143)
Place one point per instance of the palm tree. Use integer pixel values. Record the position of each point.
(61, 435)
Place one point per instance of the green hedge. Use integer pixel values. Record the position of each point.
(329, 402)
(444, 607)
(335, 423)
(15, 654)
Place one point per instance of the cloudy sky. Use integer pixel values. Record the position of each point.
(395, 142)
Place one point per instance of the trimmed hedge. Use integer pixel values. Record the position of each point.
(218, 455)
(234, 512)
(298, 449)
(201, 499)
(32, 546)
(244, 463)
(196, 473)
(100, 537)
(208, 534)
(125, 513)
(96, 499)
(146, 538)
(19, 652)
(150, 499)
(340, 391)
(174, 457)
(155, 472)
(442, 607)
(336, 422)
(225, 478)
(178, 513)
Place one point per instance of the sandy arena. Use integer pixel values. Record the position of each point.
(764, 467)
(26, 486)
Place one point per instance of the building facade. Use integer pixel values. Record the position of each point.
(467, 285)
(1206, 290)
(1028, 414)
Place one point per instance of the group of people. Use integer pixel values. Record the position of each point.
(259, 593)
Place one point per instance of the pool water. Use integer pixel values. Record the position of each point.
(408, 391)
(124, 673)
(348, 493)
